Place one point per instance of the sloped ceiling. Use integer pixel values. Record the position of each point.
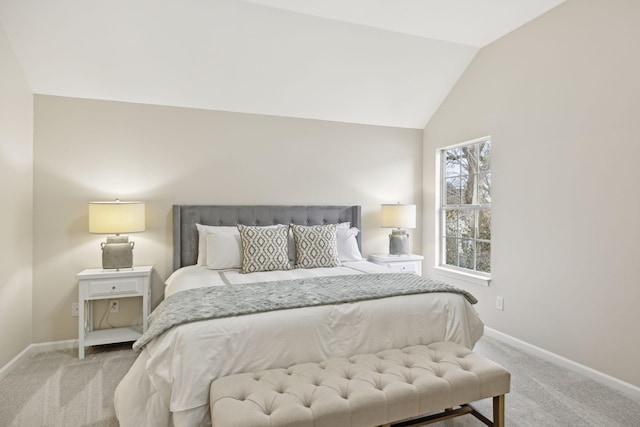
(379, 62)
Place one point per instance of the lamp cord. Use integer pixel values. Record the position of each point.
(106, 314)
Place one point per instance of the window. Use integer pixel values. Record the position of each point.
(465, 207)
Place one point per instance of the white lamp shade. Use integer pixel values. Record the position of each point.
(116, 217)
(399, 216)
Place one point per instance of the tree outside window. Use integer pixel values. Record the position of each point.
(466, 206)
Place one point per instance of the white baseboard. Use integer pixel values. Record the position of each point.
(600, 377)
(53, 346)
(4, 371)
(35, 349)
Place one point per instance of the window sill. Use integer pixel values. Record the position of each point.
(476, 279)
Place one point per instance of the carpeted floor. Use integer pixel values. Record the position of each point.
(543, 394)
(56, 389)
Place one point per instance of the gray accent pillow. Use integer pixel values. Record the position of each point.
(316, 245)
(264, 248)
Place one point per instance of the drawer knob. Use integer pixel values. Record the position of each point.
(113, 288)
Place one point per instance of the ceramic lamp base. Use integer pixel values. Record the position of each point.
(117, 253)
(398, 242)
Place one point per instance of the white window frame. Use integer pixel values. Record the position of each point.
(468, 275)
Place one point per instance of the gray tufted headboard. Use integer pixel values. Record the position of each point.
(185, 217)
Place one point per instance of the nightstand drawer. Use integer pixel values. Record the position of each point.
(410, 264)
(115, 286)
(404, 267)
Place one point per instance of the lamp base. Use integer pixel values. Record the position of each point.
(398, 242)
(117, 253)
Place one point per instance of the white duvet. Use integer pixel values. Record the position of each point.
(168, 385)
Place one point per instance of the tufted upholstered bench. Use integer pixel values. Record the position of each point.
(364, 390)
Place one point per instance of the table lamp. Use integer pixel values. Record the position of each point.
(116, 217)
(399, 217)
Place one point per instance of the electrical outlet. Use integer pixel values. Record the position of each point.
(75, 309)
(114, 306)
(500, 303)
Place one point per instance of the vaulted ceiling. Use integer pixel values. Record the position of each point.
(379, 62)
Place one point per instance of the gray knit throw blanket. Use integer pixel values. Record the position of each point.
(236, 300)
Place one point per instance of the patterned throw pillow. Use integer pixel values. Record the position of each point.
(264, 248)
(316, 245)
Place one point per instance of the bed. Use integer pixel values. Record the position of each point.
(168, 384)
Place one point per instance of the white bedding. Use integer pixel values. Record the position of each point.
(169, 382)
(196, 276)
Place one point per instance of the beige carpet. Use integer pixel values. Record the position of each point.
(542, 394)
(56, 389)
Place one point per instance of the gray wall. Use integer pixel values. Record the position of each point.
(561, 98)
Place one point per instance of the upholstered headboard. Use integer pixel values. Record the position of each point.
(185, 217)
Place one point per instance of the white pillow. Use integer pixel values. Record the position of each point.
(346, 225)
(224, 250)
(348, 245)
(203, 230)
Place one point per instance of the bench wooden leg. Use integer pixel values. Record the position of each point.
(498, 415)
(498, 411)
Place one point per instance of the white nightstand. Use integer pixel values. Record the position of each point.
(95, 284)
(401, 263)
